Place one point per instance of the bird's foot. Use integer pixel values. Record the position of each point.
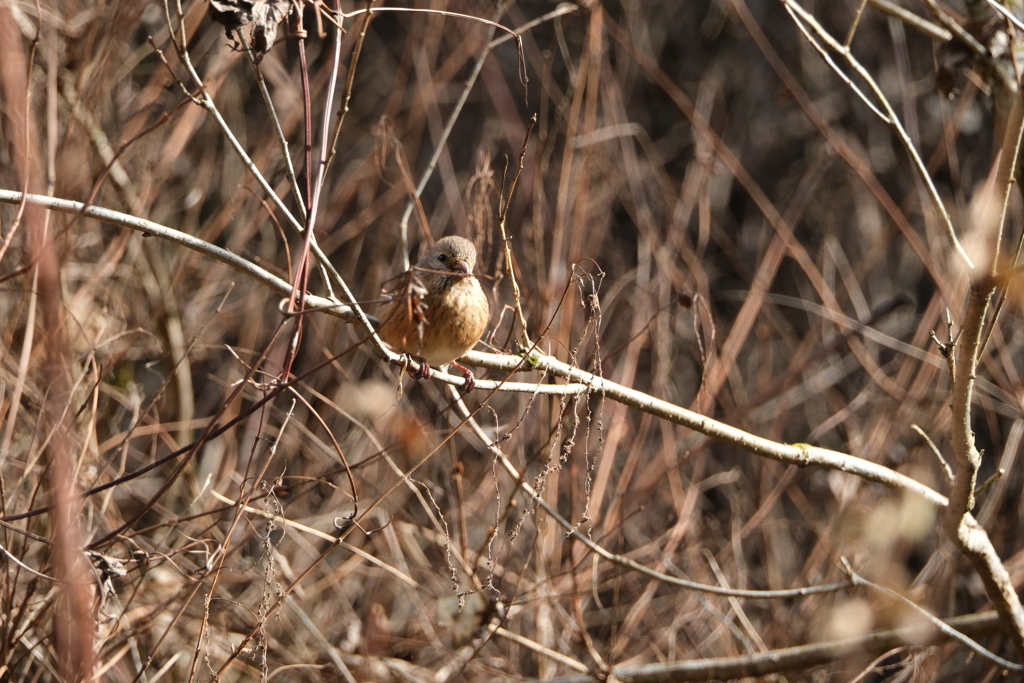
(470, 382)
(424, 370)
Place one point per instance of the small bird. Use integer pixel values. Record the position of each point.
(442, 312)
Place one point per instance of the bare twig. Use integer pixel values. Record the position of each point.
(272, 110)
(919, 24)
(943, 628)
(524, 333)
(936, 452)
(439, 145)
(808, 25)
(350, 78)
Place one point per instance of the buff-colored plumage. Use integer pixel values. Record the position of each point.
(454, 310)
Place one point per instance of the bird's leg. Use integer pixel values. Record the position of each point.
(470, 383)
(424, 371)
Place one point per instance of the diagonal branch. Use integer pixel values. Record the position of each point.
(580, 381)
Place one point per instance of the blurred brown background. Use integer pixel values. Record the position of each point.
(644, 243)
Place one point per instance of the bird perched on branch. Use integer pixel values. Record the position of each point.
(441, 311)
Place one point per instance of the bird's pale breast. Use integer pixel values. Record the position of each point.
(456, 319)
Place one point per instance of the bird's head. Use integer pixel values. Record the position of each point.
(452, 254)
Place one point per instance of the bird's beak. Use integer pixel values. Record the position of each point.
(461, 266)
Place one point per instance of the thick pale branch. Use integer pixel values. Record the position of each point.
(961, 526)
(580, 380)
(963, 355)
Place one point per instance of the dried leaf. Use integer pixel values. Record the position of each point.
(267, 15)
(232, 14)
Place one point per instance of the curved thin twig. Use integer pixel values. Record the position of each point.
(624, 561)
(943, 628)
(807, 24)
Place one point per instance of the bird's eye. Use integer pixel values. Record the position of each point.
(442, 258)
